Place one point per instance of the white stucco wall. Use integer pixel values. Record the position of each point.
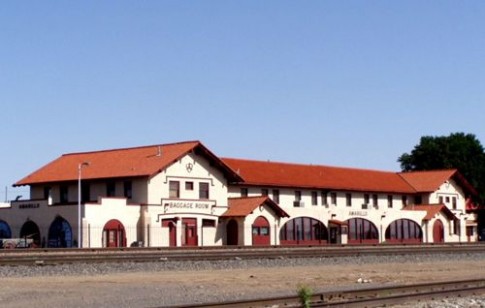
(195, 169)
(97, 215)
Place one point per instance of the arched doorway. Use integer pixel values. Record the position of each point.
(438, 232)
(232, 232)
(30, 230)
(114, 234)
(5, 231)
(303, 231)
(60, 234)
(404, 231)
(261, 231)
(362, 231)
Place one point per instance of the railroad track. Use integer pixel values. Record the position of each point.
(59, 256)
(371, 297)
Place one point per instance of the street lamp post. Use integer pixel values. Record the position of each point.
(79, 229)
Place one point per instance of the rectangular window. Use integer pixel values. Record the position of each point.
(456, 226)
(440, 200)
(85, 192)
(255, 230)
(174, 189)
(47, 192)
(418, 200)
(389, 201)
(324, 198)
(297, 202)
(189, 185)
(454, 202)
(375, 200)
(404, 200)
(314, 198)
(333, 198)
(127, 189)
(264, 231)
(348, 198)
(63, 194)
(244, 192)
(447, 199)
(203, 190)
(264, 192)
(208, 223)
(365, 205)
(110, 189)
(276, 195)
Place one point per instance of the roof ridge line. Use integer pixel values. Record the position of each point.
(307, 165)
(131, 148)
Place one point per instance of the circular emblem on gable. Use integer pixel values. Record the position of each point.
(189, 167)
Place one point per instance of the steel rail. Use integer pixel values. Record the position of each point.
(370, 297)
(58, 256)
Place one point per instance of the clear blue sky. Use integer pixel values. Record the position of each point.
(345, 83)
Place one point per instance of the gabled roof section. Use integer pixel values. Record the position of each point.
(144, 161)
(430, 181)
(431, 210)
(278, 174)
(242, 207)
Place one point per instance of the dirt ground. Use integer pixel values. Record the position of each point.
(159, 289)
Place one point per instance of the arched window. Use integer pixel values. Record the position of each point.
(303, 231)
(60, 234)
(404, 231)
(30, 230)
(362, 231)
(5, 231)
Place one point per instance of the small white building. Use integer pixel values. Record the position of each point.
(181, 194)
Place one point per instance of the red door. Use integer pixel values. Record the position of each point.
(114, 234)
(260, 229)
(172, 234)
(171, 224)
(190, 231)
(438, 232)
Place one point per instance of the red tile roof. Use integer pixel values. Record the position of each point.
(431, 210)
(242, 207)
(129, 162)
(427, 181)
(263, 173)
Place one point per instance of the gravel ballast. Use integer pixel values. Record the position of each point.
(165, 283)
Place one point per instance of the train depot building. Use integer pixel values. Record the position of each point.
(181, 194)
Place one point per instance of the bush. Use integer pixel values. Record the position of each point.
(305, 295)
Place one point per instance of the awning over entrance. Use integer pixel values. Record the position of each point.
(337, 222)
(431, 210)
(242, 207)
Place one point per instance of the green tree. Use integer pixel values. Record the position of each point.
(457, 151)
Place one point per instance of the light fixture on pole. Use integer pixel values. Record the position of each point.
(79, 229)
